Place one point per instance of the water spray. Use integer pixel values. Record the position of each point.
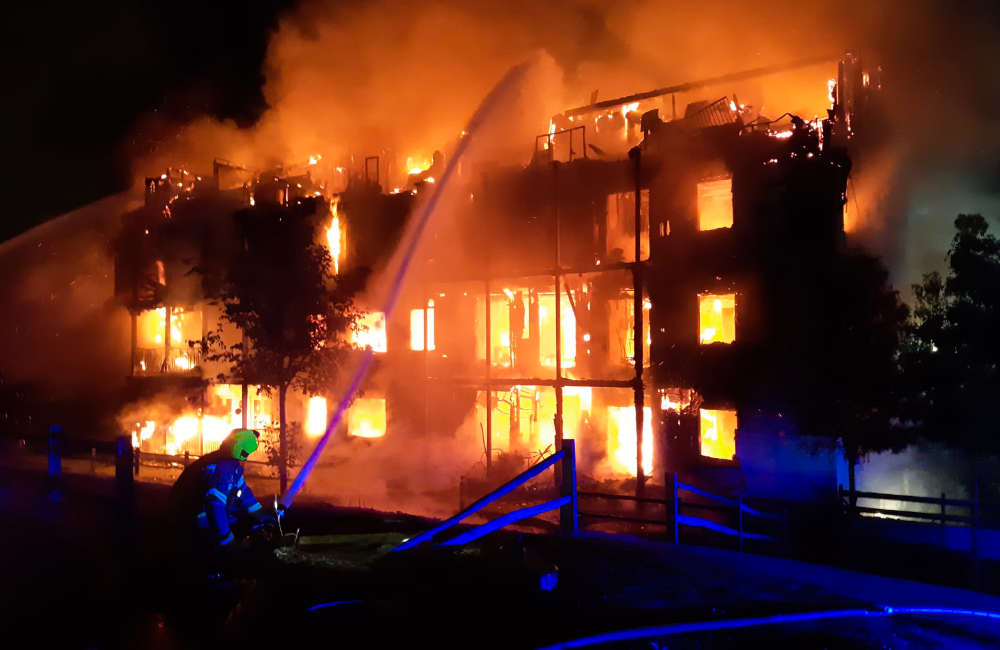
(513, 76)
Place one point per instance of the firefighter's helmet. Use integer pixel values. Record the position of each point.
(242, 443)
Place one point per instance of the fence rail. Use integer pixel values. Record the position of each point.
(674, 518)
(849, 502)
(566, 503)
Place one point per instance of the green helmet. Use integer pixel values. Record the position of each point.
(242, 443)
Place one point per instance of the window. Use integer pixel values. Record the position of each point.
(621, 224)
(622, 439)
(316, 416)
(367, 418)
(717, 318)
(151, 348)
(718, 434)
(417, 327)
(371, 332)
(715, 204)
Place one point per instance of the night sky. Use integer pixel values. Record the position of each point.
(84, 74)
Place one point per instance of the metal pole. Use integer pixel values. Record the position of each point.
(166, 340)
(676, 511)
(740, 529)
(124, 461)
(568, 514)
(55, 462)
(558, 422)
(489, 393)
(975, 526)
(639, 389)
(244, 400)
(134, 328)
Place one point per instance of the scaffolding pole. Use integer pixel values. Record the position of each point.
(637, 347)
(489, 393)
(558, 424)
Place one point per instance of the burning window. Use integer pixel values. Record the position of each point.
(523, 416)
(621, 224)
(622, 324)
(417, 327)
(151, 344)
(370, 332)
(336, 238)
(316, 416)
(547, 330)
(622, 439)
(718, 434)
(715, 204)
(717, 317)
(366, 418)
(507, 308)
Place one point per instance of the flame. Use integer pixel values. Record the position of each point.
(831, 90)
(718, 434)
(717, 316)
(335, 236)
(418, 164)
(715, 204)
(622, 439)
(417, 327)
(316, 421)
(367, 418)
(371, 332)
(315, 159)
(781, 135)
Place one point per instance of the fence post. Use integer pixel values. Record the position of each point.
(975, 526)
(124, 462)
(784, 527)
(568, 515)
(740, 529)
(676, 510)
(187, 460)
(55, 462)
(942, 509)
(93, 460)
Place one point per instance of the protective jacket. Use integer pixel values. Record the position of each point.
(211, 494)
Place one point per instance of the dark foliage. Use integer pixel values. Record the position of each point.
(279, 292)
(952, 350)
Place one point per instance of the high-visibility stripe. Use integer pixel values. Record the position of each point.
(254, 508)
(240, 482)
(227, 539)
(218, 495)
(202, 515)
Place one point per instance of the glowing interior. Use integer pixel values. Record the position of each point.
(718, 434)
(371, 332)
(715, 204)
(366, 418)
(417, 328)
(316, 418)
(622, 439)
(717, 318)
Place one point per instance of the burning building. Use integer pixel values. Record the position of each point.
(642, 286)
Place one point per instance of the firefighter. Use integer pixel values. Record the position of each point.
(211, 495)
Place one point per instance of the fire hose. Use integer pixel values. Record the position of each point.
(776, 619)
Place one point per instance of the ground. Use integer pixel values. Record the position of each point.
(80, 571)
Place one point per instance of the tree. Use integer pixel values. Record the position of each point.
(857, 372)
(278, 290)
(952, 350)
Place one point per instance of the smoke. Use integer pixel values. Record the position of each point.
(399, 79)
